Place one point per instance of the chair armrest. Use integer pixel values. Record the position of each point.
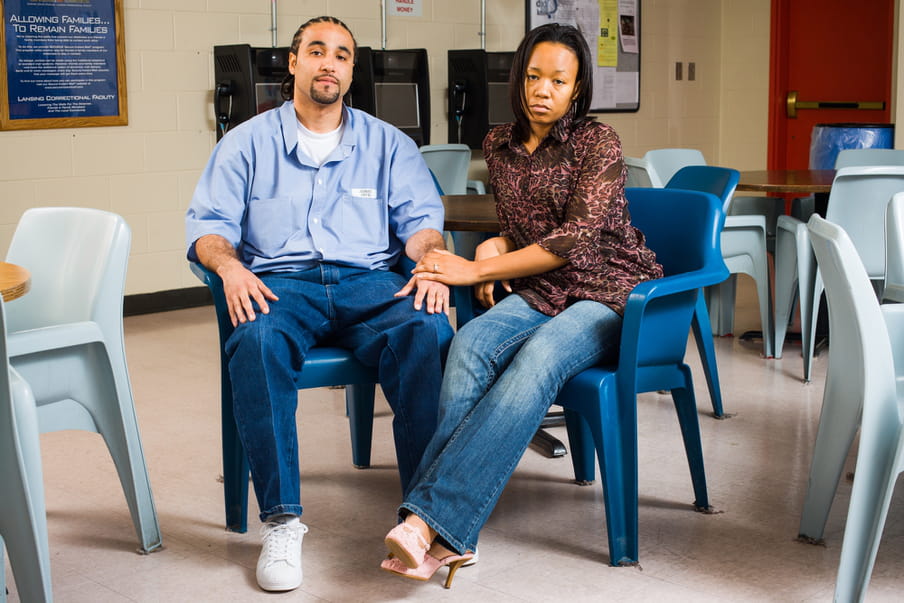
(745, 221)
(53, 338)
(647, 291)
(789, 223)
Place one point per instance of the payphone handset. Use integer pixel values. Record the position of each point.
(222, 104)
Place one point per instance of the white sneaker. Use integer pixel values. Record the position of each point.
(279, 566)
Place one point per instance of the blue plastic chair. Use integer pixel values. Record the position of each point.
(720, 182)
(65, 338)
(862, 389)
(23, 521)
(750, 225)
(600, 403)
(323, 367)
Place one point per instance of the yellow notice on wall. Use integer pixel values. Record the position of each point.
(607, 43)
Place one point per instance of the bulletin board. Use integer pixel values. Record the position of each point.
(62, 64)
(612, 30)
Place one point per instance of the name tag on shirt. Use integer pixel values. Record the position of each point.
(364, 193)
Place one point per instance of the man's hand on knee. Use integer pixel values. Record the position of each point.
(242, 288)
(436, 295)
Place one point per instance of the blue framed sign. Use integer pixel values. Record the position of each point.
(63, 64)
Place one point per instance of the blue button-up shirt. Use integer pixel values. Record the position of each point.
(263, 194)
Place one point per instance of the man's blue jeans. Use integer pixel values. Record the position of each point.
(345, 307)
(504, 371)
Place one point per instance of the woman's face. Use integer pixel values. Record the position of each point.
(549, 82)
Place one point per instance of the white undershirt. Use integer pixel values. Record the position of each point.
(318, 146)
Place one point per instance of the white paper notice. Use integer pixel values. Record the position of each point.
(405, 8)
(627, 25)
(553, 11)
(626, 87)
(604, 87)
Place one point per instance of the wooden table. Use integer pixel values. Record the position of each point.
(15, 281)
(791, 182)
(471, 213)
(803, 182)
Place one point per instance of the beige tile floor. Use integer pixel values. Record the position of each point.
(545, 541)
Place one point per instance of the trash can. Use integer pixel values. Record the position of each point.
(827, 139)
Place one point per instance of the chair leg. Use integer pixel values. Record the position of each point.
(617, 447)
(23, 524)
(128, 455)
(580, 440)
(876, 473)
(764, 299)
(720, 300)
(359, 401)
(811, 288)
(838, 424)
(613, 426)
(686, 407)
(235, 463)
(703, 336)
(96, 396)
(786, 285)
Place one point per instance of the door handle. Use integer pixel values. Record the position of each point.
(793, 104)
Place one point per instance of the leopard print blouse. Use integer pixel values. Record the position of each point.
(568, 197)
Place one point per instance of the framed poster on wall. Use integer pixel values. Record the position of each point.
(63, 64)
(612, 31)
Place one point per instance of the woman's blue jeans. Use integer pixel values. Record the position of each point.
(505, 369)
(345, 307)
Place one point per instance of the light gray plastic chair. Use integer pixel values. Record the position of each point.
(666, 162)
(65, 338)
(23, 521)
(641, 174)
(864, 380)
(450, 163)
(868, 157)
(894, 250)
(857, 203)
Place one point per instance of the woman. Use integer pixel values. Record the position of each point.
(569, 256)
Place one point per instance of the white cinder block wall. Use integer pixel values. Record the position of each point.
(146, 171)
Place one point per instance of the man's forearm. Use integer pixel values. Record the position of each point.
(215, 252)
(423, 241)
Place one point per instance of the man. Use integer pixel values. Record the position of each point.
(301, 211)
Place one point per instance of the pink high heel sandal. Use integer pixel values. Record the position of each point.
(407, 545)
(427, 567)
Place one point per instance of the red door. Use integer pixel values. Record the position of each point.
(827, 51)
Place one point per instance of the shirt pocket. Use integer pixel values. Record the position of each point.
(269, 224)
(365, 220)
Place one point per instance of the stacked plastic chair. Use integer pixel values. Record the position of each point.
(861, 390)
(65, 338)
(683, 228)
(23, 521)
(857, 203)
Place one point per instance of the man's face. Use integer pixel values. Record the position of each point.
(323, 65)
